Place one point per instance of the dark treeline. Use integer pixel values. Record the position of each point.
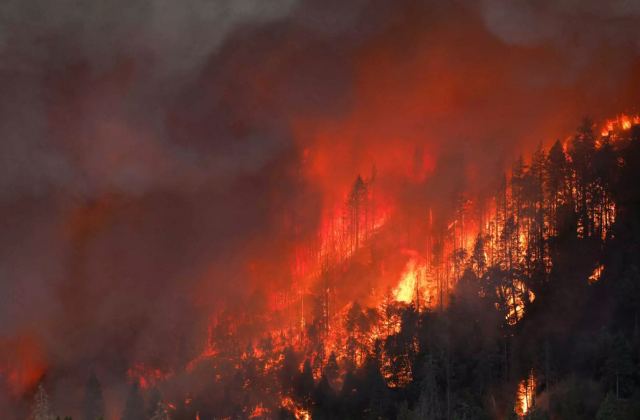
(542, 322)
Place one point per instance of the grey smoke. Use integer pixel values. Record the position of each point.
(37, 37)
(567, 23)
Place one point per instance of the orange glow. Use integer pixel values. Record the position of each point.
(22, 362)
(516, 301)
(298, 412)
(409, 282)
(345, 230)
(360, 213)
(525, 396)
(91, 217)
(622, 122)
(259, 411)
(273, 196)
(595, 274)
(208, 352)
(145, 376)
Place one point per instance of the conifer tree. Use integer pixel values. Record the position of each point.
(41, 409)
(161, 412)
(134, 407)
(93, 406)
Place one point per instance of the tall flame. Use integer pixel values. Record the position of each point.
(410, 281)
(622, 122)
(525, 397)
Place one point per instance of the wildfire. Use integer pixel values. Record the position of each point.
(525, 396)
(341, 236)
(516, 301)
(259, 412)
(345, 232)
(622, 122)
(146, 376)
(299, 412)
(21, 363)
(410, 281)
(208, 353)
(596, 274)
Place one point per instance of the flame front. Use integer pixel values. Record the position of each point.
(410, 283)
(622, 122)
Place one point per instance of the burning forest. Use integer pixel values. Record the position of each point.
(304, 209)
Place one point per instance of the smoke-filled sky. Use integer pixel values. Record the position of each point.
(150, 151)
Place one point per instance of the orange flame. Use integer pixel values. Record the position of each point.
(596, 274)
(410, 281)
(622, 122)
(146, 376)
(525, 397)
(298, 412)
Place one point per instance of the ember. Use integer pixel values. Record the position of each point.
(595, 275)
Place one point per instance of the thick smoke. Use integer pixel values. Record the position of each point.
(150, 151)
(567, 23)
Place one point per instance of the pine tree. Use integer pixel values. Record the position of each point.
(161, 412)
(332, 371)
(134, 407)
(536, 207)
(582, 152)
(304, 384)
(93, 407)
(41, 409)
(153, 400)
(619, 364)
(556, 175)
(478, 260)
(356, 205)
(610, 408)
(429, 403)
(288, 370)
